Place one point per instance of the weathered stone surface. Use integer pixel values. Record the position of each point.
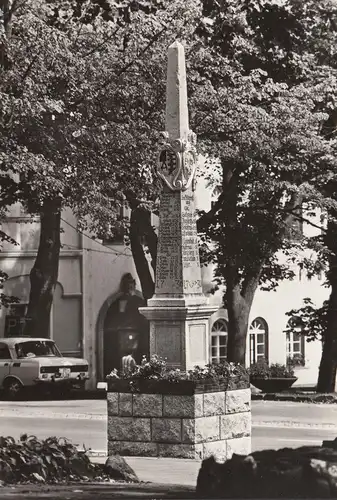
(207, 429)
(306, 472)
(214, 403)
(125, 405)
(117, 468)
(147, 405)
(132, 449)
(176, 92)
(235, 425)
(238, 401)
(217, 449)
(166, 430)
(193, 451)
(188, 430)
(183, 406)
(129, 429)
(200, 429)
(112, 403)
(240, 446)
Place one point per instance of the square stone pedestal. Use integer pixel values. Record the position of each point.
(179, 331)
(202, 422)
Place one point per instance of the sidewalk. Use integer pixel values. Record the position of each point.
(169, 471)
(162, 478)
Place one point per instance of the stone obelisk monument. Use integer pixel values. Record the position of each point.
(178, 312)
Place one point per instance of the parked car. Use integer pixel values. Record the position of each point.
(31, 362)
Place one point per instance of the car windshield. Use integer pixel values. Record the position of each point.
(37, 348)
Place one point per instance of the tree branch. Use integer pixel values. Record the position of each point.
(100, 45)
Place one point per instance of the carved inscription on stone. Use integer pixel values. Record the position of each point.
(178, 264)
(190, 249)
(169, 271)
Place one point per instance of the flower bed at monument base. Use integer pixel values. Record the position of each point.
(181, 419)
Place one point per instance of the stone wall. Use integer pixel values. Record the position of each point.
(181, 426)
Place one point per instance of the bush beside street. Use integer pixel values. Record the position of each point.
(54, 460)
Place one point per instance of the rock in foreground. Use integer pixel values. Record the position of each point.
(306, 472)
(117, 468)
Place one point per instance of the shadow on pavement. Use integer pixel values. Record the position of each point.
(86, 491)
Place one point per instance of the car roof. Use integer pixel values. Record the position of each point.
(11, 341)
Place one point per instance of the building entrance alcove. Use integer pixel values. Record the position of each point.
(125, 330)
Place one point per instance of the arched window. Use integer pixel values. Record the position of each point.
(219, 341)
(258, 340)
(295, 342)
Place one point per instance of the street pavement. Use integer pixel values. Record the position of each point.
(274, 425)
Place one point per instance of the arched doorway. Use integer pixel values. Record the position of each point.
(125, 330)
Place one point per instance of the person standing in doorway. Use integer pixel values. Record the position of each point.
(128, 361)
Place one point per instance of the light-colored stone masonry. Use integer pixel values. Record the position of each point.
(195, 426)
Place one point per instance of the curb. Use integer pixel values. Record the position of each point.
(292, 424)
(296, 397)
(95, 453)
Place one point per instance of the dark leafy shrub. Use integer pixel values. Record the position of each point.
(261, 369)
(53, 460)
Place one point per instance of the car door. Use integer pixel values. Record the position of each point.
(5, 361)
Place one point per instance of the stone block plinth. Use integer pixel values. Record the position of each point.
(203, 422)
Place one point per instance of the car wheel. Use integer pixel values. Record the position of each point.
(13, 388)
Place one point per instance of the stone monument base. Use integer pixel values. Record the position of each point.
(194, 425)
(180, 334)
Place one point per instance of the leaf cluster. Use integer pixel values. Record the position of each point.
(262, 369)
(310, 320)
(52, 460)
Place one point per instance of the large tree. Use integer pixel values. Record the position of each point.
(79, 115)
(265, 92)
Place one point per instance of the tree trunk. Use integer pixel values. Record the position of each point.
(238, 307)
(43, 276)
(6, 13)
(140, 228)
(328, 365)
